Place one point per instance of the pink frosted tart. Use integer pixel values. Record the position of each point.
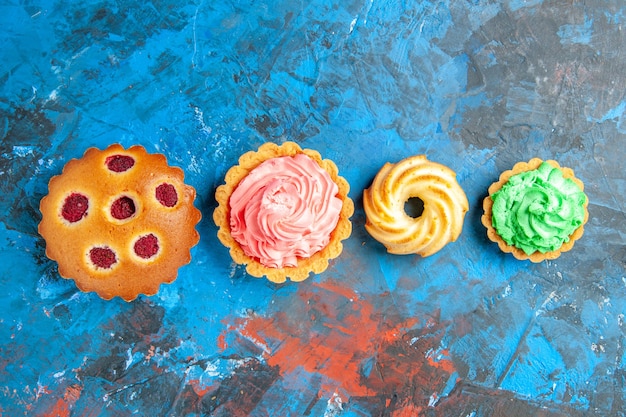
(283, 212)
(119, 222)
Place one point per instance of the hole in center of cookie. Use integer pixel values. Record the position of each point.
(123, 208)
(414, 207)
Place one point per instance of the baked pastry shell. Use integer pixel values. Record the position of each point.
(316, 263)
(518, 253)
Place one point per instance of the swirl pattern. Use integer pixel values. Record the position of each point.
(285, 209)
(310, 194)
(538, 210)
(441, 221)
(528, 217)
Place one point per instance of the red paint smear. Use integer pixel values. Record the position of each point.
(409, 410)
(335, 349)
(64, 405)
(343, 332)
(443, 363)
(200, 389)
(221, 342)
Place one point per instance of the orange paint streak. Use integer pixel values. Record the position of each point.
(409, 410)
(442, 363)
(334, 349)
(221, 342)
(199, 389)
(63, 406)
(60, 409)
(341, 333)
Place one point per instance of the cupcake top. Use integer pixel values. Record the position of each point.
(283, 212)
(284, 209)
(541, 210)
(538, 210)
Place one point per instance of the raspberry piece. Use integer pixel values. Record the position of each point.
(102, 257)
(147, 246)
(123, 208)
(75, 207)
(119, 163)
(166, 194)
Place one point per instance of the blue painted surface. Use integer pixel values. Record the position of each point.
(469, 331)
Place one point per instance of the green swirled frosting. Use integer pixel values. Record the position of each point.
(538, 210)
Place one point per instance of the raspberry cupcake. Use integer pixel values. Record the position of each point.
(536, 211)
(119, 222)
(283, 212)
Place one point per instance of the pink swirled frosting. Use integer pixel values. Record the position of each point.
(284, 209)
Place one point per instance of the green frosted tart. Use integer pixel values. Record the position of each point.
(536, 210)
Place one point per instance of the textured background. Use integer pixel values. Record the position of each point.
(476, 85)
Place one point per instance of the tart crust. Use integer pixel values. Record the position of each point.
(316, 263)
(518, 253)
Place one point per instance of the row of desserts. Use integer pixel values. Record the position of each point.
(121, 221)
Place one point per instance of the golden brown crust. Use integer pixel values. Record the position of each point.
(318, 262)
(444, 201)
(69, 243)
(515, 251)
